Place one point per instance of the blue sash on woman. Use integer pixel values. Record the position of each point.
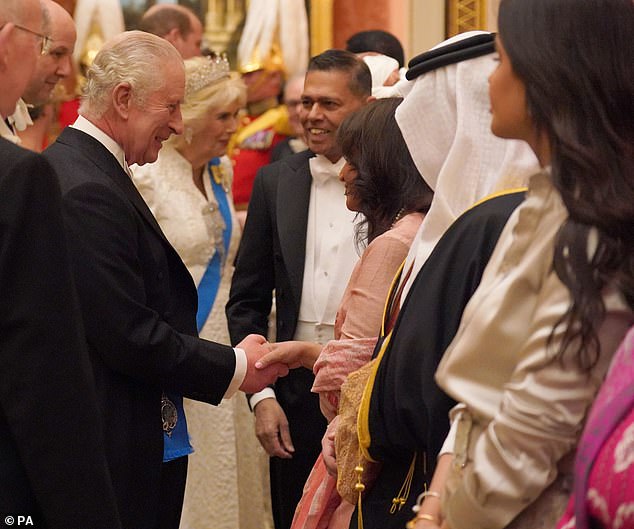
(208, 286)
(177, 443)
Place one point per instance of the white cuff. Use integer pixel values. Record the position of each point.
(266, 393)
(238, 374)
(450, 440)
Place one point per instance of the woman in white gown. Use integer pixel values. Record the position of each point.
(188, 190)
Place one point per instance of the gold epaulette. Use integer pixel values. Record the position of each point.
(275, 119)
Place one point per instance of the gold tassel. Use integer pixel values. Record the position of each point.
(359, 487)
(403, 493)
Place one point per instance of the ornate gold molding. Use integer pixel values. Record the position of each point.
(222, 22)
(466, 15)
(321, 26)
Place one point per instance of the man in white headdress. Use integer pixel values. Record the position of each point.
(445, 122)
(384, 72)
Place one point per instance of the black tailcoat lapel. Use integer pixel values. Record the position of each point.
(293, 199)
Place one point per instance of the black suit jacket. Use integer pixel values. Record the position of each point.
(282, 150)
(271, 258)
(52, 461)
(139, 306)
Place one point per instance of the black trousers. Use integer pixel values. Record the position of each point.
(173, 477)
(288, 477)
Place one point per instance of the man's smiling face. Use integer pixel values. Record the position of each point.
(326, 101)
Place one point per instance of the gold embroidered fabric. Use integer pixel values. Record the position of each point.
(347, 449)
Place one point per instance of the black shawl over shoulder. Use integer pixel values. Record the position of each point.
(408, 411)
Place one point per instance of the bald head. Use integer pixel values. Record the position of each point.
(177, 24)
(19, 49)
(56, 64)
(15, 10)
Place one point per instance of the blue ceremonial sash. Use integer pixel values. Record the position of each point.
(208, 286)
(178, 445)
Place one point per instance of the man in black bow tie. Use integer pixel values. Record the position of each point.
(298, 243)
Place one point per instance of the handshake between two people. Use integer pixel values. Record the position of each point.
(255, 348)
(267, 362)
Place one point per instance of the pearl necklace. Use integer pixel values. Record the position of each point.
(398, 217)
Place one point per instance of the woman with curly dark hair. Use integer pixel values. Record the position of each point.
(383, 185)
(557, 295)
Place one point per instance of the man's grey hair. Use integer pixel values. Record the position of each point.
(132, 57)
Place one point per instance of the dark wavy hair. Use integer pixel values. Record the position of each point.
(387, 183)
(575, 58)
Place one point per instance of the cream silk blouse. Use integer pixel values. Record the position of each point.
(524, 410)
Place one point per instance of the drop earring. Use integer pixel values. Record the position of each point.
(188, 135)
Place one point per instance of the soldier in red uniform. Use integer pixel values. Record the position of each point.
(264, 125)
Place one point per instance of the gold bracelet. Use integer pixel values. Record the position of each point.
(424, 516)
(422, 496)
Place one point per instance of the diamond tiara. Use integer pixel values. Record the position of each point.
(209, 70)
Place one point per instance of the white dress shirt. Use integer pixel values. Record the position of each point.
(21, 119)
(330, 250)
(330, 257)
(18, 121)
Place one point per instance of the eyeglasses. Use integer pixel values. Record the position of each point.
(45, 39)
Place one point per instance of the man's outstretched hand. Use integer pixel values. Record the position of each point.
(255, 347)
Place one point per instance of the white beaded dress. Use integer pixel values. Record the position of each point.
(227, 480)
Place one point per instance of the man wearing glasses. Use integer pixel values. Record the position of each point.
(51, 67)
(53, 471)
(44, 40)
(20, 39)
(21, 35)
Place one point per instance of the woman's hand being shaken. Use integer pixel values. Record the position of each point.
(292, 353)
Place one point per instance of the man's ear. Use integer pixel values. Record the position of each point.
(370, 98)
(122, 99)
(172, 36)
(5, 36)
